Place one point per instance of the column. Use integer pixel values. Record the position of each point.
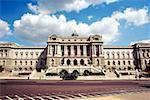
(50, 50)
(78, 50)
(55, 49)
(72, 50)
(3, 54)
(100, 50)
(93, 50)
(84, 50)
(65, 50)
(59, 50)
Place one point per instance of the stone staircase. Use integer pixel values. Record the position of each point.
(110, 74)
(37, 75)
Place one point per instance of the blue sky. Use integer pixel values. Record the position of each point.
(30, 22)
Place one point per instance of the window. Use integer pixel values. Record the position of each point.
(123, 56)
(31, 62)
(118, 55)
(97, 50)
(75, 50)
(108, 55)
(37, 53)
(26, 62)
(128, 55)
(69, 50)
(113, 62)
(4, 62)
(15, 62)
(20, 62)
(62, 49)
(53, 49)
(118, 62)
(113, 56)
(108, 62)
(31, 53)
(124, 63)
(21, 53)
(129, 63)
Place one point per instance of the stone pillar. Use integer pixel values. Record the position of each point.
(93, 50)
(84, 50)
(48, 49)
(72, 50)
(59, 50)
(3, 54)
(55, 49)
(100, 50)
(65, 50)
(78, 50)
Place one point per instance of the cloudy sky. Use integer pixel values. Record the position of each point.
(30, 22)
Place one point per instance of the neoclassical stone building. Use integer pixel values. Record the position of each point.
(74, 53)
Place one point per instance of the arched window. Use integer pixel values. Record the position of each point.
(118, 62)
(25, 69)
(4, 62)
(68, 62)
(108, 56)
(26, 54)
(118, 55)
(108, 62)
(82, 62)
(37, 53)
(113, 62)
(128, 55)
(123, 56)
(62, 61)
(124, 63)
(31, 53)
(113, 56)
(31, 62)
(98, 62)
(16, 54)
(21, 53)
(15, 62)
(75, 62)
(20, 62)
(26, 62)
(129, 63)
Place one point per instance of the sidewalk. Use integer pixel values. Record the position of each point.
(79, 78)
(126, 96)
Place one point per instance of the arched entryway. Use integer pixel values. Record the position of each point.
(68, 62)
(75, 62)
(97, 62)
(82, 62)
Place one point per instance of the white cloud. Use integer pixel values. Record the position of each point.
(52, 6)
(4, 29)
(133, 16)
(37, 28)
(142, 41)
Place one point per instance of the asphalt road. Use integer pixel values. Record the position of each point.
(38, 88)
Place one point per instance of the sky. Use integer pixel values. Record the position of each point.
(30, 22)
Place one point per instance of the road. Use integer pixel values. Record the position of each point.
(61, 90)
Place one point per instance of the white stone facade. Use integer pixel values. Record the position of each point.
(79, 53)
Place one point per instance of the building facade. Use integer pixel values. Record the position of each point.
(74, 53)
